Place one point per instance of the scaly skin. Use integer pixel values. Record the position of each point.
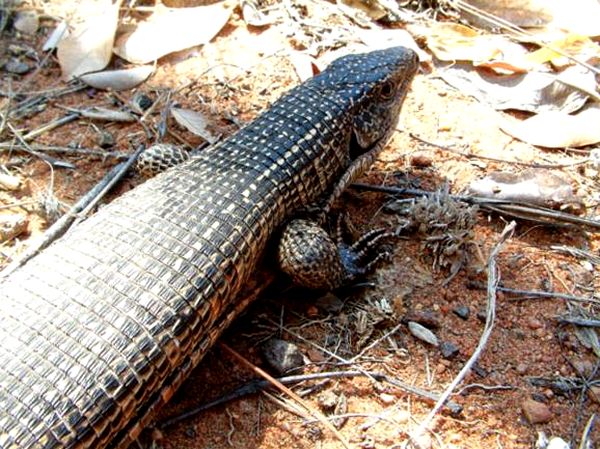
(102, 327)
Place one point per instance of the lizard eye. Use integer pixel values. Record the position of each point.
(387, 91)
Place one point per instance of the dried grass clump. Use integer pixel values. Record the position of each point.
(447, 225)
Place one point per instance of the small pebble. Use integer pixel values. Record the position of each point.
(282, 355)
(106, 140)
(449, 350)
(584, 367)
(557, 443)
(427, 318)
(330, 303)
(26, 22)
(462, 312)
(9, 182)
(327, 400)
(536, 412)
(594, 393)
(421, 160)
(482, 315)
(534, 323)
(388, 399)
(522, 368)
(17, 67)
(422, 333)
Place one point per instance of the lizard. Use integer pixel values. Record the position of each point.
(102, 327)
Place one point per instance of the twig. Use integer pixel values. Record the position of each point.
(579, 321)
(492, 282)
(51, 125)
(404, 386)
(258, 385)
(287, 391)
(61, 225)
(493, 159)
(124, 166)
(583, 443)
(539, 294)
(6, 147)
(576, 252)
(521, 210)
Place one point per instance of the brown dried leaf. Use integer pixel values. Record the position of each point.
(169, 30)
(194, 122)
(557, 129)
(118, 79)
(88, 47)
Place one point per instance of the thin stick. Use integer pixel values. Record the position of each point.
(493, 159)
(583, 443)
(63, 224)
(258, 385)
(315, 413)
(492, 276)
(6, 147)
(124, 166)
(539, 294)
(517, 209)
(51, 125)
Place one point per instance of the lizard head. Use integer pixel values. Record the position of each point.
(376, 83)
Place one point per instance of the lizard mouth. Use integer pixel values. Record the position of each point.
(356, 149)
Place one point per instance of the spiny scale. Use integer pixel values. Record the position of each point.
(102, 327)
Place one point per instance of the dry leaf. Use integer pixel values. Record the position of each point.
(305, 65)
(557, 129)
(118, 79)
(88, 47)
(169, 30)
(379, 39)
(533, 91)
(253, 16)
(371, 8)
(454, 42)
(194, 122)
(573, 45)
(535, 186)
(523, 13)
(108, 115)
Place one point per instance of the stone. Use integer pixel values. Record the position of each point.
(522, 368)
(534, 323)
(106, 140)
(17, 67)
(536, 412)
(462, 312)
(387, 398)
(282, 355)
(427, 318)
(449, 350)
(330, 303)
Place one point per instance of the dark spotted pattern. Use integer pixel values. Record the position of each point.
(103, 326)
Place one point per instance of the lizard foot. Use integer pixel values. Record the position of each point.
(309, 255)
